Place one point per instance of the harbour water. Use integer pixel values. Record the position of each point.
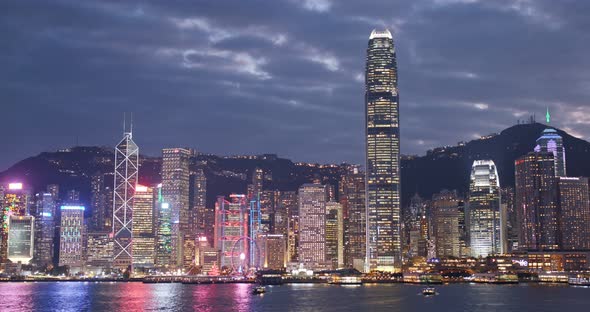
(135, 296)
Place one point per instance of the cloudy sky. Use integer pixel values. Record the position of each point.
(283, 76)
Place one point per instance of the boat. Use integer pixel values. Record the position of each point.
(258, 290)
(429, 291)
(579, 280)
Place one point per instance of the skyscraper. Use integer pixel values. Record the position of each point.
(126, 167)
(335, 234)
(143, 227)
(175, 192)
(536, 202)
(446, 208)
(383, 146)
(574, 213)
(312, 226)
(352, 198)
(21, 238)
(551, 142)
(231, 231)
(485, 228)
(70, 236)
(15, 202)
(44, 228)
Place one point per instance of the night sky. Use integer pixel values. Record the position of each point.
(283, 76)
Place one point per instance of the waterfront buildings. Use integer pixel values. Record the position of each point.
(126, 174)
(383, 160)
(70, 238)
(485, 215)
(175, 192)
(312, 226)
(101, 201)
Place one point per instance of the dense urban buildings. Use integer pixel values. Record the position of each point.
(45, 215)
(16, 199)
(352, 198)
(485, 215)
(383, 160)
(126, 174)
(334, 234)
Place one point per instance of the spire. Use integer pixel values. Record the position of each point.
(547, 115)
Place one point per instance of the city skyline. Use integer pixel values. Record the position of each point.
(325, 83)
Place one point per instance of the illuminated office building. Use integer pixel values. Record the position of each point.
(99, 250)
(352, 198)
(536, 202)
(383, 161)
(288, 204)
(143, 227)
(574, 213)
(44, 228)
(334, 234)
(551, 142)
(70, 236)
(231, 232)
(21, 238)
(207, 257)
(126, 174)
(273, 251)
(15, 202)
(163, 235)
(312, 226)
(203, 218)
(446, 211)
(176, 192)
(418, 232)
(101, 201)
(485, 222)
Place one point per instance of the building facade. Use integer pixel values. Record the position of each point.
(551, 142)
(144, 241)
(71, 251)
(231, 232)
(574, 213)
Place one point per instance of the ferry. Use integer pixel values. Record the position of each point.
(582, 279)
(345, 280)
(428, 291)
(258, 290)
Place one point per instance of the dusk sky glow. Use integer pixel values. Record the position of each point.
(284, 76)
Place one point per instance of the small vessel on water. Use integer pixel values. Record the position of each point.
(429, 291)
(258, 290)
(582, 279)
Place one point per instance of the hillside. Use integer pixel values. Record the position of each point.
(444, 167)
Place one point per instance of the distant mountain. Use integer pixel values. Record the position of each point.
(440, 168)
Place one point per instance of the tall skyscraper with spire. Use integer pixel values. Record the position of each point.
(383, 146)
(126, 170)
(551, 142)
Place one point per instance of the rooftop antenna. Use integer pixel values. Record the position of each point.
(131, 126)
(124, 126)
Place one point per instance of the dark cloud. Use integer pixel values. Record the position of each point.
(232, 77)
